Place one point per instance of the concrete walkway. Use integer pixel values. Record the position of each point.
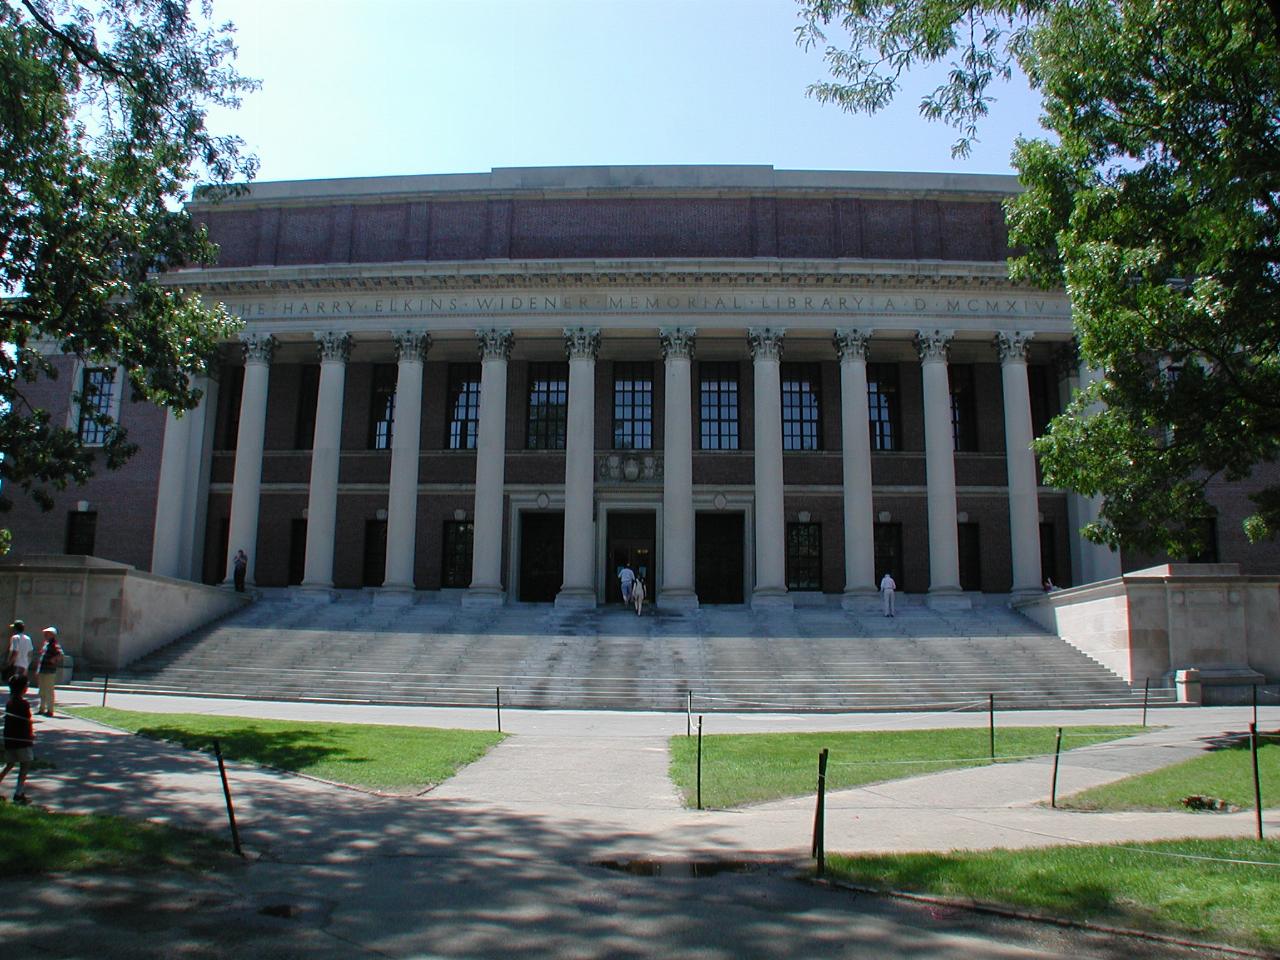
(499, 859)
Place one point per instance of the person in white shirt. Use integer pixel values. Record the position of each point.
(626, 577)
(887, 587)
(20, 649)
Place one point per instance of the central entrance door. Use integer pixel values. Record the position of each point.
(541, 556)
(631, 539)
(718, 557)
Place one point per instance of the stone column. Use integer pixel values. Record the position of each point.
(246, 481)
(1099, 562)
(402, 499)
(770, 521)
(940, 469)
(322, 503)
(855, 438)
(582, 344)
(677, 480)
(1024, 504)
(172, 495)
(491, 457)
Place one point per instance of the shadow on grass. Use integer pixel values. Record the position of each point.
(285, 750)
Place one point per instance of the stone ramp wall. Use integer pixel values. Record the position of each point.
(107, 614)
(1153, 623)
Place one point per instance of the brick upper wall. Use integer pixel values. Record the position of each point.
(593, 227)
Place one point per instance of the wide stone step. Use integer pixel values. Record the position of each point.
(818, 658)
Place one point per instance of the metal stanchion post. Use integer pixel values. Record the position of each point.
(699, 761)
(819, 815)
(1146, 696)
(991, 723)
(226, 792)
(497, 702)
(106, 679)
(1257, 782)
(688, 715)
(1053, 788)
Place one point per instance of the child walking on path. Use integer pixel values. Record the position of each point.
(19, 736)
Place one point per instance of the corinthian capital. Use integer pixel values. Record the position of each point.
(581, 343)
(677, 342)
(1012, 346)
(334, 345)
(852, 344)
(933, 345)
(257, 347)
(765, 343)
(495, 344)
(412, 345)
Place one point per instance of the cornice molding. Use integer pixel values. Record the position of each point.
(533, 275)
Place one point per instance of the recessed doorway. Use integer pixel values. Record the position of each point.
(541, 556)
(718, 557)
(631, 539)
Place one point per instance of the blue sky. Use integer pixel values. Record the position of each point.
(381, 87)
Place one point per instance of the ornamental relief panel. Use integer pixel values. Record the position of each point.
(623, 467)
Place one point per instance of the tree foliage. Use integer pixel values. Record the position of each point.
(1156, 206)
(102, 131)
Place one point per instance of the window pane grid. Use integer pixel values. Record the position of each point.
(633, 406)
(548, 405)
(464, 405)
(882, 405)
(800, 407)
(718, 406)
(804, 556)
(964, 426)
(97, 391)
(383, 406)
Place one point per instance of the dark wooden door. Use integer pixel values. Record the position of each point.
(541, 556)
(718, 555)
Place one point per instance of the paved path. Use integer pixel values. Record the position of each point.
(499, 859)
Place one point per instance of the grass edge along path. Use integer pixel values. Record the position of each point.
(1222, 772)
(39, 841)
(1179, 887)
(372, 756)
(744, 768)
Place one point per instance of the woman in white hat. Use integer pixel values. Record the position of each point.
(47, 669)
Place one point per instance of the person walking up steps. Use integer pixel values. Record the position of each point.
(626, 577)
(637, 596)
(887, 588)
(19, 736)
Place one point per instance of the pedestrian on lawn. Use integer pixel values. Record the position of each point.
(48, 663)
(20, 648)
(19, 737)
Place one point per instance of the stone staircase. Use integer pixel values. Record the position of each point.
(815, 658)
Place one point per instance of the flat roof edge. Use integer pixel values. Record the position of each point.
(678, 177)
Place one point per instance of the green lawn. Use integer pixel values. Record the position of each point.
(38, 841)
(1225, 773)
(365, 755)
(755, 767)
(1114, 885)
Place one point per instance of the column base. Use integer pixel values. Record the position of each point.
(394, 596)
(948, 598)
(314, 593)
(678, 599)
(772, 598)
(484, 597)
(576, 598)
